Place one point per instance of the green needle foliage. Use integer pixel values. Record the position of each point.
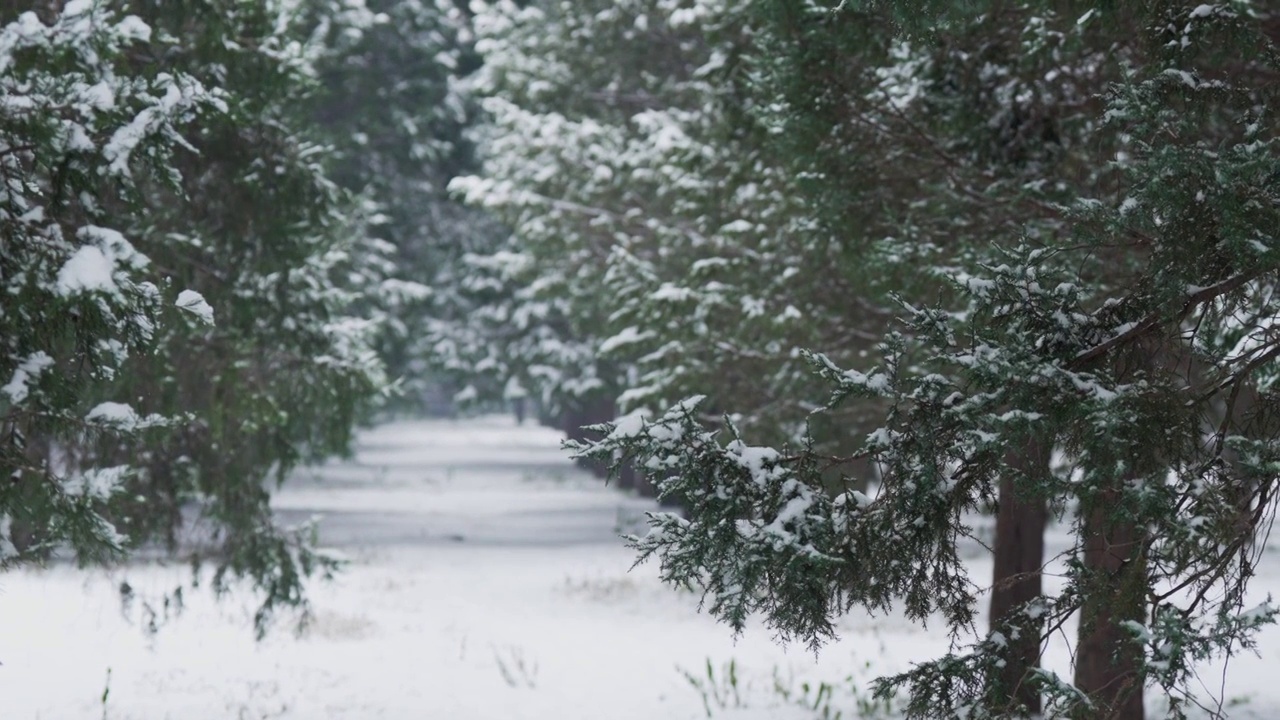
(189, 297)
(1086, 199)
(392, 104)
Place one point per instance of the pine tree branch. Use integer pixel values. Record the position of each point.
(1195, 299)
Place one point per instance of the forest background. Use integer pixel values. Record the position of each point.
(833, 278)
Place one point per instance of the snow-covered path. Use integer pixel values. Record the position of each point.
(487, 581)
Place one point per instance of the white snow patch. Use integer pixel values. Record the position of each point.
(194, 303)
(121, 417)
(100, 96)
(1258, 612)
(628, 426)
(627, 336)
(761, 462)
(475, 545)
(1203, 10)
(876, 382)
(98, 483)
(513, 390)
(112, 413)
(88, 270)
(134, 28)
(795, 509)
(27, 372)
(671, 293)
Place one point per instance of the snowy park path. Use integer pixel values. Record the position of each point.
(484, 482)
(487, 582)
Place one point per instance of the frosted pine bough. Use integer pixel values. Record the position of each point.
(64, 94)
(185, 279)
(763, 537)
(650, 234)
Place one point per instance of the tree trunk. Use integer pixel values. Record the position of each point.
(595, 411)
(1019, 556)
(577, 415)
(1108, 659)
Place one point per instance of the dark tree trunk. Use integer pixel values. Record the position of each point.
(1108, 659)
(1019, 556)
(578, 415)
(595, 411)
(644, 486)
(627, 477)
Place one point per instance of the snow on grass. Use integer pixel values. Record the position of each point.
(487, 581)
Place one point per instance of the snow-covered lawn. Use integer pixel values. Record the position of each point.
(487, 581)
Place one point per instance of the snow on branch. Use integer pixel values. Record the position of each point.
(766, 533)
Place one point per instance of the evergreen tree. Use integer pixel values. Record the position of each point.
(81, 134)
(978, 134)
(1108, 176)
(193, 291)
(391, 104)
(654, 221)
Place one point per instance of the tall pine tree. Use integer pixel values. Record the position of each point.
(191, 293)
(1107, 177)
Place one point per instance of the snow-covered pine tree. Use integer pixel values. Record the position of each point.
(82, 133)
(528, 322)
(969, 143)
(654, 227)
(1128, 325)
(390, 102)
(168, 146)
(723, 216)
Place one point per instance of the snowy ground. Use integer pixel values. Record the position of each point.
(487, 582)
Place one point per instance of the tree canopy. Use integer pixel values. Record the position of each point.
(194, 305)
(852, 263)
